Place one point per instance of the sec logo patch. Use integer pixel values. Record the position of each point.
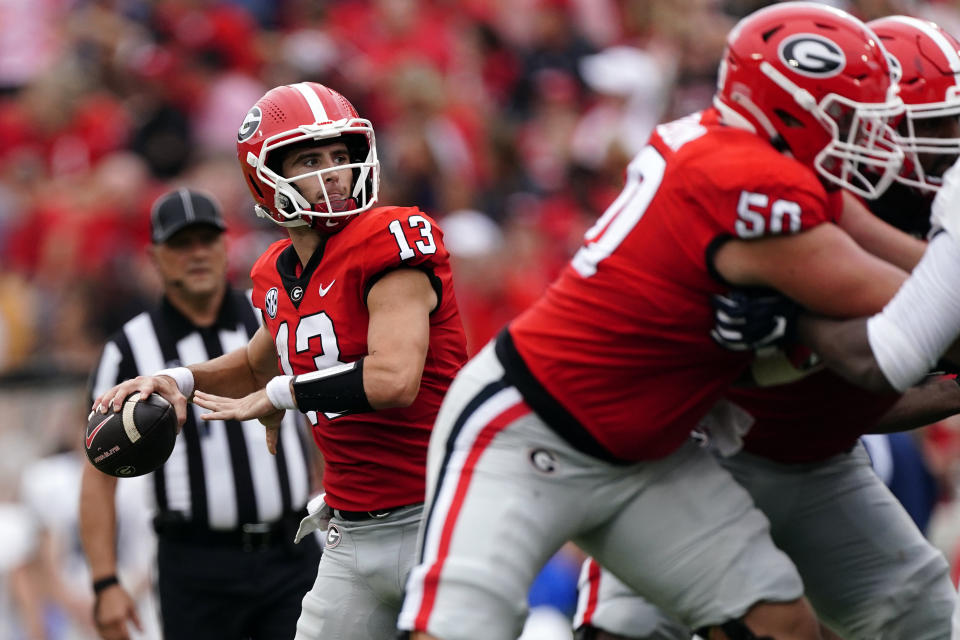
(270, 302)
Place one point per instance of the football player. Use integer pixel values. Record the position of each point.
(574, 423)
(360, 321)
(896, 348)
(866, 568)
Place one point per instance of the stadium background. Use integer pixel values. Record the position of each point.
(510, 121)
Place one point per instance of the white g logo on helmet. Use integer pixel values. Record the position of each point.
(812, 55)
(250, 124)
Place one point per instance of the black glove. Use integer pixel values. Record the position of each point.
(752, 319)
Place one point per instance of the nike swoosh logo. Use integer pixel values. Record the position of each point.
(324, 289)
(93, 434)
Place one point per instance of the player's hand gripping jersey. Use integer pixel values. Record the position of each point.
(318, 318)
(621, 339)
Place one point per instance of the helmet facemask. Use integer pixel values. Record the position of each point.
(928, 155)
(861, 153)
(925, 60)
(289, 202)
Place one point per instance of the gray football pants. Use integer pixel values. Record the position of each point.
(360, 580)
(867, 570)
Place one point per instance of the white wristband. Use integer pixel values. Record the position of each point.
(279, 393)
(182, 376)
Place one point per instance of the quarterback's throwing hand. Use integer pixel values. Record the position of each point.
(253, 406)
(112, 399)
(752, 321)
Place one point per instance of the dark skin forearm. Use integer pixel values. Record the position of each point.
(929, 402)
(844, 348)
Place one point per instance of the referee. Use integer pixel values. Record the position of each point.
(226, 510)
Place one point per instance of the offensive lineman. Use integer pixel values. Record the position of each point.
(866, 568)
(360, 317)
(574, 423)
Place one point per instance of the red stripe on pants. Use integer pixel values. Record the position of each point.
(593, 590)
(485, 437)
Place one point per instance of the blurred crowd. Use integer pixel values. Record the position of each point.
(509, 121)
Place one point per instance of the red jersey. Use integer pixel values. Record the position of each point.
(318, 318)
(809, 420)
(621, 340)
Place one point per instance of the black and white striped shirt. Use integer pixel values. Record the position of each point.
(220, 474)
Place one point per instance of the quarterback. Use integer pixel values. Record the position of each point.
(361, 324)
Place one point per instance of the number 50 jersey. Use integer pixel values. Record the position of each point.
(318, 318)
(621, 340)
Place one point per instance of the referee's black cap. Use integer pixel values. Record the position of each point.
(180, 209)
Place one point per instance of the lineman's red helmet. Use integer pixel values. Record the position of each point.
(926, 60)
(815, 81)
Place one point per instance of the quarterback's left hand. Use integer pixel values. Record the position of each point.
(253, 406)
(746, 321)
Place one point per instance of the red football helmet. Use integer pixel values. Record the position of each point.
(926, 60)
(816, 82)
(297, 113)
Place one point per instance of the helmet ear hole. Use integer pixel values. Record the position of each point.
(769, 33)
(254, 185)
(787, 119)
(283, 203)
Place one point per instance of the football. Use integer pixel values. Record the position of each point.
(133, 441)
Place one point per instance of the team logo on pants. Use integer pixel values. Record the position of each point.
(543, 460)
(333, 536)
